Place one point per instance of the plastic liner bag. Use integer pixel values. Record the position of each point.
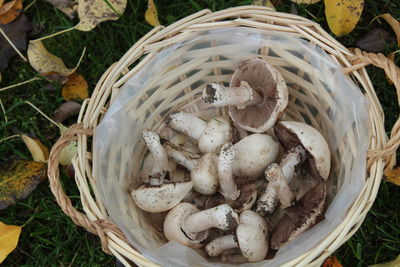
(332, 103)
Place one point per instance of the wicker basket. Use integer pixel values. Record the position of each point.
(96, 218)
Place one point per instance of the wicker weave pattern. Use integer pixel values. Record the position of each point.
(95, 217)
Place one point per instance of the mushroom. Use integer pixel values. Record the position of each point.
(203, 170)
(157, 196)
(211, 135)
(253, 154)
(188, 226)
(148, 164)
(239, 200)
(251, 237)
(257, 95)
(304, 144)
(300, 217)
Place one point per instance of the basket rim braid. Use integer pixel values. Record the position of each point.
(94, 217)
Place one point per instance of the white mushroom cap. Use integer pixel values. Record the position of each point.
(292, 133)
(269, 83)
(160, 198)
(252, 236)
(253, 154)
(218, 131)
(205, 174)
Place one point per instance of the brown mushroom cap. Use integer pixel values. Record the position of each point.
(293, 133)
(300, 217)
(268, 82)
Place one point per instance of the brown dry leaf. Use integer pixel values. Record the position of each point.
(55, 77)
(18, 179)
(94, 12)
(44, 62)
(375, 40)
(75, 88)
(394, 263)
(66, 110)
(393, 176)
(38, 151)
(68, 7)
(266, 3)
(151, 14)
(305, 1)
(10, 11)
(331, 262)
(17, 32)
(343, 15)
(9, 235)
(393, 23)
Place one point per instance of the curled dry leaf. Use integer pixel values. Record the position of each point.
(9, 235)
(393, 23)
(331, 262)
(151, 14)
(375, 40)
(66, 110)
(9, 11)
(94, 12)
(18, 178)
(44, 62)
(75, 88)
(305, 1)
(66, 6)
(17, 32)
(38, 151)
(393, 176)
(343, 15)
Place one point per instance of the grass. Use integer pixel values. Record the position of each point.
(50, 238)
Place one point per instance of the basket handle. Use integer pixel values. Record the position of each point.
(100, 226)
(362, 59)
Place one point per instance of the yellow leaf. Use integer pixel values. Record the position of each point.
(18, 178)
(75, 88)
(44, 62)
(9, 235)
(10, 11)
(331, 262)
(38, 150)
(266, 3)
(94, 12)
(305, 1)
(393, 23)
(393, 176)
(151, 15)
(343, 15)
(394, 263)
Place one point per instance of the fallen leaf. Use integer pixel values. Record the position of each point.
(18, 178)
(94, 12)
(9, 235)
(17, 32)
(66, 110)
(331, 262)
(10, 11)
(375, 40)
(69, 151)
(44, 62)
(393, 23)
(38, 151)
(75, 88)
(151, 15)
(305, 1)
(393, 176)
(69, 169)
(394, 263)
(66, 6)
(266, 3)
(55, 77)
(343, 15)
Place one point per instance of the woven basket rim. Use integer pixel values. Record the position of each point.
(94, 218)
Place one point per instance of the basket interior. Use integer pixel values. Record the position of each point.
(173, 79)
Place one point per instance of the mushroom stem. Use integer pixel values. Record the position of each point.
(220, 244)
(222, 217)
(159, 170)
(221, 96)
(291, 160)
(187, 123)
(181, 157)
(225, 172)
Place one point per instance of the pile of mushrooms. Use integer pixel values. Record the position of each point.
(221, 184)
